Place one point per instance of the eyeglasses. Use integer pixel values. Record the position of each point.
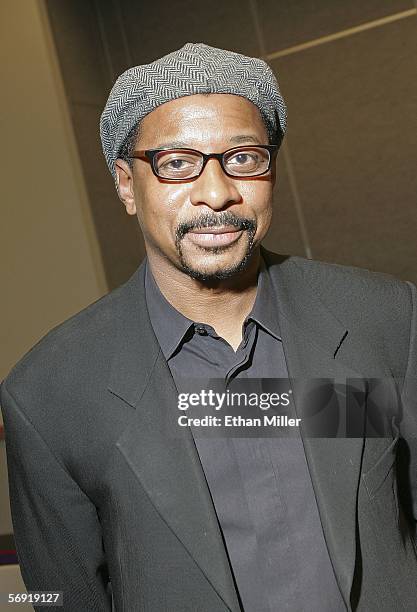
(184, 164)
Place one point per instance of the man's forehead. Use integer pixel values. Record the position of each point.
(231, 117)
(204, 106)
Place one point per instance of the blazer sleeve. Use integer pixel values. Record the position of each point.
(56, 527)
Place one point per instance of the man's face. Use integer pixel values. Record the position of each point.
(210, 226)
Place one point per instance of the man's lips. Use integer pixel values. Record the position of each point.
(214, 236)
(223, 229)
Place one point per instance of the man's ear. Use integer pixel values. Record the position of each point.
(124, 177)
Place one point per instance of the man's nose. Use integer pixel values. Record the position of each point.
(214, 188)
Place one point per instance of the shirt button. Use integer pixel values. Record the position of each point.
(201, 330)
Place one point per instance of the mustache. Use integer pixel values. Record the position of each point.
(215, 220)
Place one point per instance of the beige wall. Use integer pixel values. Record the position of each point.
(50, 265)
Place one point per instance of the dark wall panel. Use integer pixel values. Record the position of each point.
(80, 51)
(156, 28)
(353, 140)
(285, 24)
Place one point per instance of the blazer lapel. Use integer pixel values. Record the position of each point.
(317, 345)
(161, 454)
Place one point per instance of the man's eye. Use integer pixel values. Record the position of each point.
(242, 158)
(176, 164)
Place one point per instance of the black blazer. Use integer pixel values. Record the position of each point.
(102, 490)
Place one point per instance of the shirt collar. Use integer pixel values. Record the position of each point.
(170, 325)
(264, 310)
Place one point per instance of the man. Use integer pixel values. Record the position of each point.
(115, 503)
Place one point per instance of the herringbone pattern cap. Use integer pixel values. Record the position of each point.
(193, 69)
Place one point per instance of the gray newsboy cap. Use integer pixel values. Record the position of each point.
(193, 69)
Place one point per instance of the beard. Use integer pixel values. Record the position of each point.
(216, 220)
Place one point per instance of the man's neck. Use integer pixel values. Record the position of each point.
(223, 304)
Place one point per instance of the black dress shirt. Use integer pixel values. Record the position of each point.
(261, 487)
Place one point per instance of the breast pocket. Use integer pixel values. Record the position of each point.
(382, 471)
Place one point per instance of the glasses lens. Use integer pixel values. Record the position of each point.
(248, 161)
(177, 163)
